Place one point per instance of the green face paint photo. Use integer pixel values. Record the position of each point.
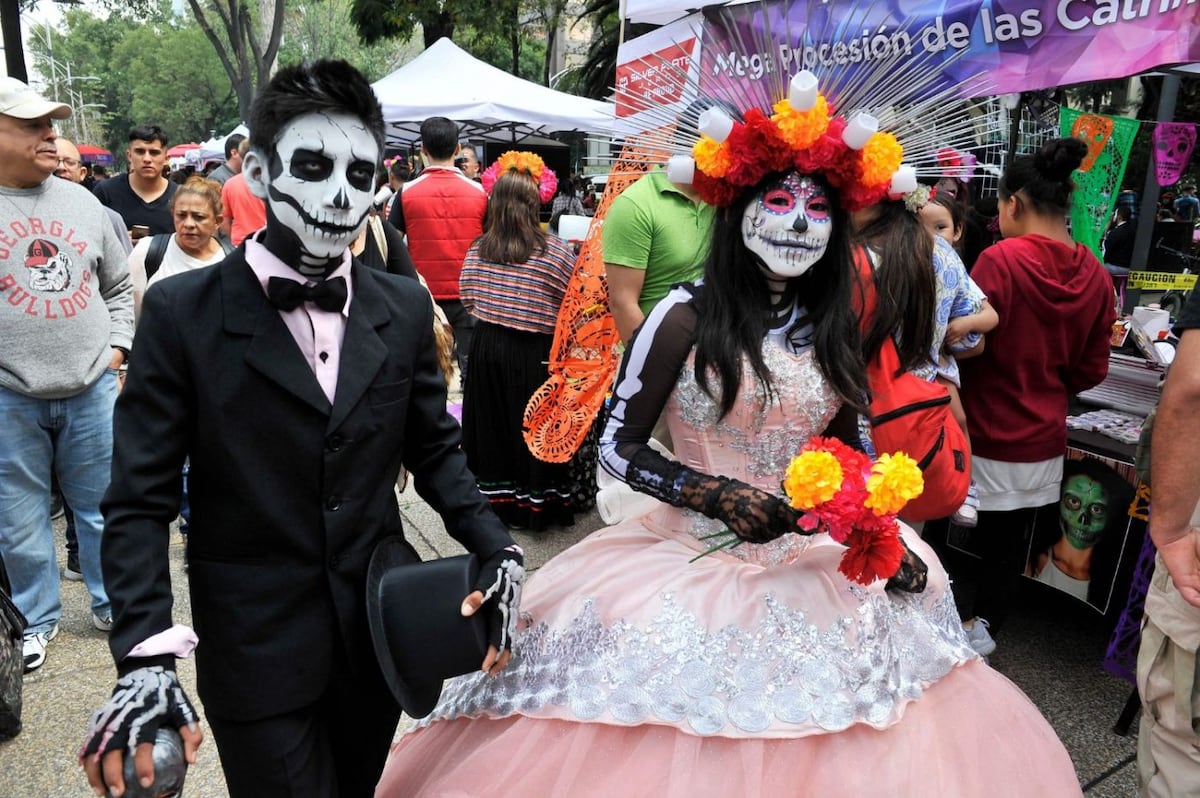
(1083, 511)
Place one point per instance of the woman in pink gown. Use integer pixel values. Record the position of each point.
(644, 669)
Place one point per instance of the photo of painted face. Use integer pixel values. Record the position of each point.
(1083, 511)
(1078, 542)
(788, 226)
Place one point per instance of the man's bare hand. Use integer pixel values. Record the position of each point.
(1182, 558)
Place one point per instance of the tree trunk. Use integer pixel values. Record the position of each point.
(250, 64)
(437, 26)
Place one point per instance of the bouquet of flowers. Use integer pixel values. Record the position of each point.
(840, 491)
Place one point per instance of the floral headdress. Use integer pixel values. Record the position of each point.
(862, 163)
(526, 163)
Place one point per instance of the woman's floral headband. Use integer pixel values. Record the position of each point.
(862, 163)
(526, 163)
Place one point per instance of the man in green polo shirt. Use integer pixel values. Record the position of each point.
(655, 235)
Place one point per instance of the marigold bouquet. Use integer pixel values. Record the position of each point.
(840, 491)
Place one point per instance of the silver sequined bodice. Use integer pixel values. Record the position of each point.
(753, 443)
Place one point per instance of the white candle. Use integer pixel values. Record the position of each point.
(681, 170)
(904, 180)
(802, 92)
(859, 130)
(715, 124)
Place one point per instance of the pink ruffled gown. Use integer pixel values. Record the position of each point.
(755, 671)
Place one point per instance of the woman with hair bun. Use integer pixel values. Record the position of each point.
(1055, 303)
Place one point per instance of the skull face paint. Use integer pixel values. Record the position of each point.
(320, 182)
(1173, 145)
(788, 225)
(1083, 511)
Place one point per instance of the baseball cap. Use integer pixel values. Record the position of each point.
(17, 99)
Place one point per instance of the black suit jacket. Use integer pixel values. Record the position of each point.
(288, 494)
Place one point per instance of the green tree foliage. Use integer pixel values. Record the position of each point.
(323, 29)
(399, 19)
(158, 69)
(170, 78)
(598, 74)
(246, 39)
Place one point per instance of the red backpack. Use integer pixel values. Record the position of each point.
(912, 415)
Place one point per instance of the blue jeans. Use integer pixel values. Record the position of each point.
(72, 436)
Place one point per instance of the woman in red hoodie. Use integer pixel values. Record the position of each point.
(1055, 303)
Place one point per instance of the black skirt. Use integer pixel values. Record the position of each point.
(507, 366)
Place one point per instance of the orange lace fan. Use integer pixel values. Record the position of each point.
(585, 353)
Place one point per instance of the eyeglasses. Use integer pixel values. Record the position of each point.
(68, 161)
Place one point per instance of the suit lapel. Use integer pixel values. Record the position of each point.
(357, 372)
(272, 351)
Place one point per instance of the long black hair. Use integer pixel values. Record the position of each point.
(905, 284)
(733, 308)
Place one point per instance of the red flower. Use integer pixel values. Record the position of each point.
(714, 191)
(872, 554)
(756, 149)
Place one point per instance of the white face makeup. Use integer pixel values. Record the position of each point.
(320, 183)
(788, 225)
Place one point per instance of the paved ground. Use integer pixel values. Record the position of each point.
(1053, 653)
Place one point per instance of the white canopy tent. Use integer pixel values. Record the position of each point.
(490, 103)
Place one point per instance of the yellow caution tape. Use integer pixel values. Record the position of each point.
(1162, 281)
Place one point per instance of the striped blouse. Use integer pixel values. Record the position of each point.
(523, 296)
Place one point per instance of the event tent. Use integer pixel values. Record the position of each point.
(490, 103)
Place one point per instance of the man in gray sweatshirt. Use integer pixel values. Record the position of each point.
(66, 320)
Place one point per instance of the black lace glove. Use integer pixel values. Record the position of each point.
(501, 577)
(912, 574)
(752, 514)
(144, 699)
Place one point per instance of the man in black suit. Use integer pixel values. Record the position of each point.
(298, 382)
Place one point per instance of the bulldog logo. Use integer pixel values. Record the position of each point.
(49, 267)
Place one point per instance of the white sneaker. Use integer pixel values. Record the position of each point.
(965, 516)
(979, 637)
(35, 648)
(102, 622)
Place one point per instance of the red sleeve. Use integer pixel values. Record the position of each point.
(993, 279)
(1092, 366)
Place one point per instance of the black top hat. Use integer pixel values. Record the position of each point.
(414, 611)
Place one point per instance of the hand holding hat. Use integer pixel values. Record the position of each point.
(498, 589)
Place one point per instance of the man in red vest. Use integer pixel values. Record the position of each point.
(441, 211)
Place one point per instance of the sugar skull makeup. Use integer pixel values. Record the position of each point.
(1083, 511)
(320, 181)
(788, 225)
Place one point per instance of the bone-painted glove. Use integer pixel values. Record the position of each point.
(501, 577)
(144, 699)
(912, 574)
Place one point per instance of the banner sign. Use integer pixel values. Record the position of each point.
(1013, 46)
(1098, 179)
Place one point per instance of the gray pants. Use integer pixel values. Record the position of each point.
(1167, 674)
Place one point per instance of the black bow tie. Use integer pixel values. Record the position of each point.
(287, 294)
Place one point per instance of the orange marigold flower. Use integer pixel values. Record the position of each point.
(812, 478)
(527, 162)
(895, 480)
(881, 157)
(801, 129)
(712, 158)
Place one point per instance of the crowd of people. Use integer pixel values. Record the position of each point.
(265, 352)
